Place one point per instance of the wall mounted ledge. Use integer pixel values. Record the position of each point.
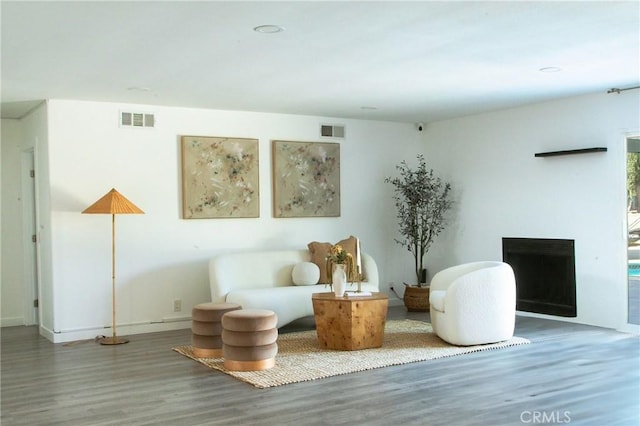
(570, 152)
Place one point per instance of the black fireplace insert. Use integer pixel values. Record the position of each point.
(545, 274)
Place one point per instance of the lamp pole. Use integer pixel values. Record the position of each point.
(113, 203)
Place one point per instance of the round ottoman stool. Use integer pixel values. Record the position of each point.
(206, 328)
(249, 339)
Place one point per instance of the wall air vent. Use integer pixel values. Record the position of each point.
(137, 119)
(331, 131)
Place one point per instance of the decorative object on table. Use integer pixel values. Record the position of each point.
(220, 177)
(306, 179)
(339, 279)
(421, 200)
(301, 359)
(320, 250)
(113, 203)
(340, 265)
(358, 270)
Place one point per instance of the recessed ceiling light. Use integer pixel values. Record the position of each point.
(368, 108)
(550, 69)
(268, 29)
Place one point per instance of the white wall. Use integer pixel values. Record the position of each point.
(11, 288)
(162, 257)
(28, 134)
(502, 190)
(35, 136)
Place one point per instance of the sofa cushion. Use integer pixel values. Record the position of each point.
(305, 273)
(319, 252)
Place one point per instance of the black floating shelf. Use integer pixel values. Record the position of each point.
(570, 152)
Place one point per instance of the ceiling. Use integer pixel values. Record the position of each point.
(416, 61)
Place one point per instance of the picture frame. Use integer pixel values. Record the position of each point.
(220, 177)
(306, 179)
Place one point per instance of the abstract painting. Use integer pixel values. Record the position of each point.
(220, 177)
(306, 179)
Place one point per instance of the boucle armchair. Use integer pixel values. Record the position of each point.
(473, 303)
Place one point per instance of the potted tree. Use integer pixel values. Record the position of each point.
(422, 200)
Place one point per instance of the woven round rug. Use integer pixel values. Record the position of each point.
(300, 358)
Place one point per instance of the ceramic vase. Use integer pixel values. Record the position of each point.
(339, 279)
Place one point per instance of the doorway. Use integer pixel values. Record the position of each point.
(633, 230)
(30, 236)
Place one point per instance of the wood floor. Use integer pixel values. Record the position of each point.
(570, 374)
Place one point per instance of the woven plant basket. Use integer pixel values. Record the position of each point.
(416, 299)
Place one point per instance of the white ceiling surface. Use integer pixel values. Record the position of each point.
(411, 61)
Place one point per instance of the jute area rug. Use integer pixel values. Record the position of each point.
(300, 359)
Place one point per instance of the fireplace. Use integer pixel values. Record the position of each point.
(545, 274)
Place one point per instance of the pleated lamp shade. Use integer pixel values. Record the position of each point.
(113, 203)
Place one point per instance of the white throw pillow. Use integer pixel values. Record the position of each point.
(305, 273)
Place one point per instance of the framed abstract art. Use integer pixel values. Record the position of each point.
(220, 177)
(306, 179)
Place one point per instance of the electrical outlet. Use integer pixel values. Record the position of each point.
(177, 305)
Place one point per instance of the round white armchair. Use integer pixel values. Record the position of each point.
(474, 303)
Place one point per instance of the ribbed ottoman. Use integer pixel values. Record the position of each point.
(249, 339)
(206, 328)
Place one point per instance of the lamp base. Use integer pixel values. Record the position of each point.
(113, 340)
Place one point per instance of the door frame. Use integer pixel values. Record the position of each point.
(627, 327)
(31, 258)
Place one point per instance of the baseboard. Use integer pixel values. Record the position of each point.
(572, 320)
(11, 322)
(394, 301)
(63, 336)
(630, 329)
(47, 333)
(166, 324)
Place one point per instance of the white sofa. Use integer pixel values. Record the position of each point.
(473, 303)
(263, 280)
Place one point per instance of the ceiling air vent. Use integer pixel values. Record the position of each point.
(331, 131)
(137, 119)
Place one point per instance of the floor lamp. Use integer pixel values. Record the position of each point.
(113, 203)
